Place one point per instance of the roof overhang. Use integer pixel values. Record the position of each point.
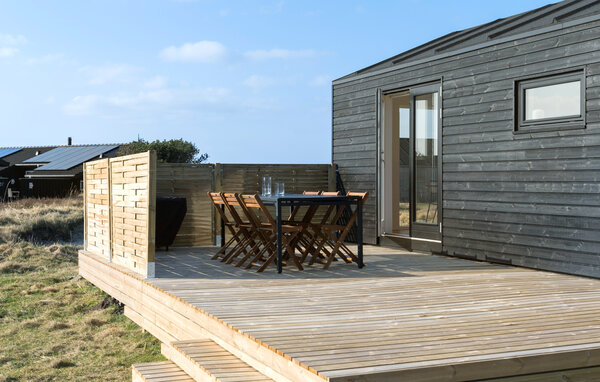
(354, 76)
(41, 175)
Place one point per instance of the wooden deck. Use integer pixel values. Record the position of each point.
(404, 316)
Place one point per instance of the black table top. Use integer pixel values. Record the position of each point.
(272, 199)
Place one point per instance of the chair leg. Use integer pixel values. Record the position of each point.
(224, 248)
(339, 241)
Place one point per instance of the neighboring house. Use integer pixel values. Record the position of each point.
(49, 171)
(484, 143)
(11, 156)
(59, 171)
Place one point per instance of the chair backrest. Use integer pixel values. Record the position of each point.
(217, 200)
(297, 209)
(362, 195)
(231, 201)
(253, 204)
(330, 209)
(215, 197)
(340, 211)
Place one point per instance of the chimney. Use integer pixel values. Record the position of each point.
(69, 141)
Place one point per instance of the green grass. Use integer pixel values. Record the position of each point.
(55, 326)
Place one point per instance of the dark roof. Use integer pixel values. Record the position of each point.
(4, 152)
(66, 157)
(545, 16)
(25, 153)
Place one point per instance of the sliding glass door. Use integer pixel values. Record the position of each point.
(425, 112)
(410, 163)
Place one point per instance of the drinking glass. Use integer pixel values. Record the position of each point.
(266, 186)
(281, 190)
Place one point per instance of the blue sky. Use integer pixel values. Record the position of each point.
(246, 81)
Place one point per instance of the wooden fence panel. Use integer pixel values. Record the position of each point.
(190, 181)
(133, 211)
(247, 178)
(120, 201)
(96, 194)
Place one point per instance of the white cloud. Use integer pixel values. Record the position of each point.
(142, 98)
(273, 7)
(256, 81)
(156, 82)
(201, 51)
(208, 95)
(321, 80)
(100, 75)
(81, 105)
(7, 39)
(8, 44)
(8, 51)
(147, 100)
(53, 58)
(283, 54)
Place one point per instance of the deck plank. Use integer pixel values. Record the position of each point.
(402, 309)
(404, 316)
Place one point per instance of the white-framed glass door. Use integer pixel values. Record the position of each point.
(410, 154)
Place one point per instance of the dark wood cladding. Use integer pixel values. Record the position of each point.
(529, 199)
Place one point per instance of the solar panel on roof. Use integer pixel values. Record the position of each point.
(6, 152)
(64, 158)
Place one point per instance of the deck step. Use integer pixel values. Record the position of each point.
(204, 360)
(165, 371)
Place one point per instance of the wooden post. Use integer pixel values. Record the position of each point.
(111, 223)
(85, 208)
(150, 268)
(331, 178)
(218, 187)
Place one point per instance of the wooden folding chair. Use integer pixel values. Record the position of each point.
(304, 236)
(334, 234)
(253, 207)
(311, 239)
(292, 218)
(250, 244)
(236, 235)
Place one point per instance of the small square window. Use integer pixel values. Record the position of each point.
(550, 103)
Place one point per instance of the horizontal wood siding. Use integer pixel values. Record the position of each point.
(190, 181)
(529, 199)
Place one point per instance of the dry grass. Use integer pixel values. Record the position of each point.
(425, 213)
(55, 326)
(41, 220)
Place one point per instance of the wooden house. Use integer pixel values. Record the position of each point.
(484, 143)
(48, 171)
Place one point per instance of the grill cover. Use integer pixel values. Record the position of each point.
(169, 216)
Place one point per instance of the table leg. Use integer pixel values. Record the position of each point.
(359, 234)
(222, 228)
(278, 219)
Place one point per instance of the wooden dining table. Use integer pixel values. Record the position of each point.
(300, 200)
